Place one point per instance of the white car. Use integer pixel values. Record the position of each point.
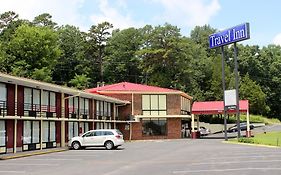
(108, 138)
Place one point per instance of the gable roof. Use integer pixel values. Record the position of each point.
(126, 87)
(216, 107)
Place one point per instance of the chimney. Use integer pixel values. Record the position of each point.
(98, 84)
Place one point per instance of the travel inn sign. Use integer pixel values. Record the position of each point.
(231, 35)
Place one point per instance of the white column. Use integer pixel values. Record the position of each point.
(192, 123)
(62, 126)
(198, 124)
(15, 121)
(248, 132)
(114, 116)
(15, 135)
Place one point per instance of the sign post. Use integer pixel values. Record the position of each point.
(220, 39)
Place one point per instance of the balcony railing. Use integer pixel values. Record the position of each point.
(3, 108)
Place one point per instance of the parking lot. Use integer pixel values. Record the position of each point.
(174, 157)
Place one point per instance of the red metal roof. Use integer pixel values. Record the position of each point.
(131, 87)
(216, 107)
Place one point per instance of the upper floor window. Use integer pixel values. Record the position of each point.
(84, 106)
(3, 95)
(185, 106)
(103, 108)
(154, 105)
(73, 106)
(32, 99)
(49, 101)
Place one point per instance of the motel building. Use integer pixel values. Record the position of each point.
(36, 115)
(153, 112)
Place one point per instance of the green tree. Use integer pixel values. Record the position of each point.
(257, 98)
(121, 63)
(72, 61)
(98, 36)
(80, 81)
(33, 48)
(44, 19)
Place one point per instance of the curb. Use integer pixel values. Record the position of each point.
(30, 154)
(249, 144)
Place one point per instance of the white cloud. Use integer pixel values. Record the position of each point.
(277, 39)
(63, 11)
(189, 12)
(112, 15)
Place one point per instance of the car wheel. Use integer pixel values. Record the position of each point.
(76, 145)
(109, 145)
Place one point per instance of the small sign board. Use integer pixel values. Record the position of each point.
(231, 35)
(230, 98)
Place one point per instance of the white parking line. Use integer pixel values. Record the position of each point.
(239, 162)
(28, 164)
(223, 170)
(14, 172)
(57, 159)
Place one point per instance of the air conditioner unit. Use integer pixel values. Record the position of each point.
(73, 115)
(49, 114)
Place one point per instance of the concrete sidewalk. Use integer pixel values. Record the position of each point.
(31, 153)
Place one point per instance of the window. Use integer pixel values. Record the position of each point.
(49, 101)
(3, 96)
(73, 106)
(185, 106)
(2, 133)
(49, 131)
(154, 127)
(103, 108)
(84, 106)
(154, 105)
(84, 126)
(31, 132)
(72, 129)
(32, 98)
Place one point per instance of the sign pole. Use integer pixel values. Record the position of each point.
(237, 92)
(223, 87)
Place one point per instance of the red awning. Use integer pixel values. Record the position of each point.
(216, 107)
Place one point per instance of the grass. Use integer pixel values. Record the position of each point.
(243, 118)
(270, 138)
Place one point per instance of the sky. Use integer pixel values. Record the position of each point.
(263, 15)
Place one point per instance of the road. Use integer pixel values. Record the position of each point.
(169, 157)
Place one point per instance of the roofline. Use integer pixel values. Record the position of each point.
(144, 92)
(6, 78)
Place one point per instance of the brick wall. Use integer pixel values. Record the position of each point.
(173, 104)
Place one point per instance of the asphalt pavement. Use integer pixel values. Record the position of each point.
(160, 157)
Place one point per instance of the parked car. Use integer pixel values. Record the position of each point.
(108, 138)
(203, 131)
(243, 127)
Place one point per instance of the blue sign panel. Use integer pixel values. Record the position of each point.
(232, 35)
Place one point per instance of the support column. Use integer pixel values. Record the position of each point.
(16, 120)
(41, 121)
(114, 116)
(248, 132)
(198, 127)
(15, 135)
(193, 133)
(62, 127)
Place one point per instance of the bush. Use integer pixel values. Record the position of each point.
(246, 140)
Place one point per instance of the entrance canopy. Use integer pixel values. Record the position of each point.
(216, 107)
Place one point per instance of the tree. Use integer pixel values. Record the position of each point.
(72, 61)
(257, 98)
(160, 54)
(98, 36)
(7, 18)
(33, 48)
(121, 63)
(80, 81)
(44, 19)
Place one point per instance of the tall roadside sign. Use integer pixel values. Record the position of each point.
(220, 39)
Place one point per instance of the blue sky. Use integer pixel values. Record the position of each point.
(263, 16)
